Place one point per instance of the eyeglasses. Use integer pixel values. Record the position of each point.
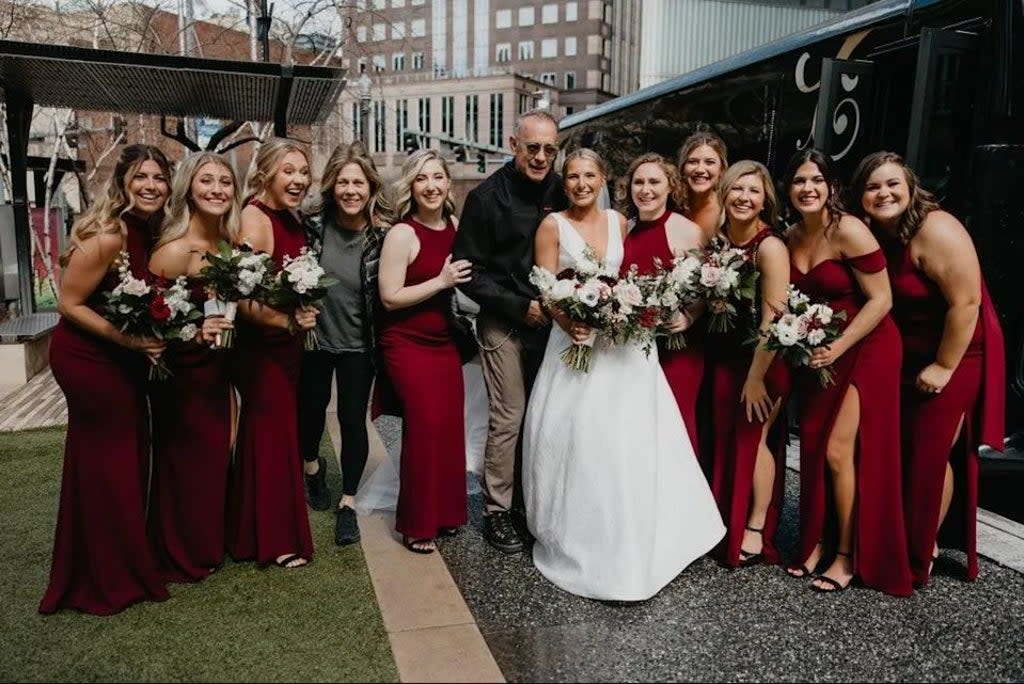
(533, 149)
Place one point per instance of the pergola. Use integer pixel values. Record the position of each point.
(141, 83)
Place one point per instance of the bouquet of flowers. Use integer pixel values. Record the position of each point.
(581, 294)
(726, 278)
(634, 311)
(300, 282)
(672, 289)
(796, 334)
(234, 273)
(140, 309)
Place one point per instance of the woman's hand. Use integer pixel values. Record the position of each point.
(823, 357)
(212, 328)
(755, 397)
(578, 332)
(455, 272)
(680, 322)
(933, 379)
(150, 346)
(305, 317)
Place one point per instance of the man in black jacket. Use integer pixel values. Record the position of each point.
(496, 234)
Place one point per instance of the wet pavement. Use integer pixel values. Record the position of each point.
(753, 624)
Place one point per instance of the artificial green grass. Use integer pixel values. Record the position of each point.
(320, 623)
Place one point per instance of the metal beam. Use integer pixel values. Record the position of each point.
(19, 121)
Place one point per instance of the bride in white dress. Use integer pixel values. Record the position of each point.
(614, 495)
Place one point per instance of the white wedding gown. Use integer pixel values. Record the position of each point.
(614, 495)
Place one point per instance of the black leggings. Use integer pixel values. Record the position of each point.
(354, 371)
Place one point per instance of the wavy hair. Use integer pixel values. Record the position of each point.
(834, 202)
(921, 203)
(181, 205)
(269, 157)
(413, 166)
(378, 211)
(105, 215)
(624, 188)
(692, 142)
(748, 167)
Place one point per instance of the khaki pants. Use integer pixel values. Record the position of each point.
(509, 358)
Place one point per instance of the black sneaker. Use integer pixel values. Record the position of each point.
(346, 526)
(317, 494)
(500, 532)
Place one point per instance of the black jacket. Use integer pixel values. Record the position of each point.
(496, 231)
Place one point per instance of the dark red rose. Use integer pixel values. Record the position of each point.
(608, 280)
(159, 310)
(650, 317)
(566, 274)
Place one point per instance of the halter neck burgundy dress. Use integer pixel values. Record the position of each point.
(102, 562)
(423, 366)
(871, 367)
(191, 455)
(267, 515)
(683, 368)
(974, 394)
(735, 438)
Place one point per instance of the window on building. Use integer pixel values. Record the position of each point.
(569, 110)
(380, 31)
(398, 61)
(549, 47)
(418, 28)
(448, 115)
(526, 49)
(570, 80)
(605, 81)
(526, 16)
(549, 78)
(379, 127)
(361, 34)
(414, 3)
(497, 118)
(398, 3)
(424, 117)
(401, 123)
(549, 14)
(503, 18)
(524, 104)
(398, 30)
(357, 122)
(378, 63)
(503, 52)
(570, 46)
(606, 49)
(417, 60)
(380, 4)
(570, 11)
(472, 118)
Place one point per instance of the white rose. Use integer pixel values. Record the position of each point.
(187, 332)
(821, 312)
(710, 275)
(134, 286)
(628, 294)
(815, 337)
(563, 289)
(786, 335)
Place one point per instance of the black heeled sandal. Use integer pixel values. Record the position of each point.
(804, 571)
(832, 585)
(746, 557)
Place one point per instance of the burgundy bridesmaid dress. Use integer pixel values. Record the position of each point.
(267, 515)
(191, 452)
(684, 368)
(735, 438)
(102, 562)
(975, 394)
(872, 367)
(423, 367)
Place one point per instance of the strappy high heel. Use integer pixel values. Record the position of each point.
(746, 557)
(831, 584)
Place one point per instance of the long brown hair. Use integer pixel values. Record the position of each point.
(834, 203)
(105, 215)
(624, 190)
(378, 211)
(921, 203)
(691, 143)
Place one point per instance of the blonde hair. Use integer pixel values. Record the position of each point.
(624, 191)
(180, 206)
(271, 153)
(589, 155)
(691, 143)
(413, 166)
(747, 167)
(105, 215)
(378, 211)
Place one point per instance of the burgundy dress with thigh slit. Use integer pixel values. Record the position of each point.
(267, 515)
(735, 439)
(423, 366)
(191, 454)
(871, 368)
(974, 395)
(683, 368)
(102, 562)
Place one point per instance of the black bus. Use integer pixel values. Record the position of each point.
(939, 81)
